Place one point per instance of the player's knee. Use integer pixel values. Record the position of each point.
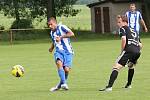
(59, 63)
(117, 67)
(130, 65)
(67, 69)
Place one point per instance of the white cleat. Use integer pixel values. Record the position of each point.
(65, 87)
(107, 89)
(128, 87)
(53, 89)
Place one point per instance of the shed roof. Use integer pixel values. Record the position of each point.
(112, 1)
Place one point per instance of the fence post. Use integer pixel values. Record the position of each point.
(0, 35)
(11, 37)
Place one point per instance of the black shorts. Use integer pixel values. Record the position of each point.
(126, 57)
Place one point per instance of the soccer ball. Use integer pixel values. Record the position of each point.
(17, 71)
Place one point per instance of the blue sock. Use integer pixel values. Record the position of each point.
(61, 73)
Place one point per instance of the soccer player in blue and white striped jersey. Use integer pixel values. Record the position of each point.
(63, 54)
(134, 17)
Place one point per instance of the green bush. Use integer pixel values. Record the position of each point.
(4, 36)
(2, 27)
(22, 24)
(25, 35)
(30, 34)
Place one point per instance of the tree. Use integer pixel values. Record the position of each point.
(61, 8)
(30, 9)
(20, 8)
(51, 9)
(64, 8)
(147, 9)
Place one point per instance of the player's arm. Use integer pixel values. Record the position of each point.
(123, 38)
(144, 25)
(68, 35)
(123, 42)
(51, 47)
(67, 31)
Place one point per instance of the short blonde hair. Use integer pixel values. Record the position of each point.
(53, 19)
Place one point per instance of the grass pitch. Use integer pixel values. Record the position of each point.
(92, 66)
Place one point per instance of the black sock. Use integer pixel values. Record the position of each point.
(113, 77)
(130, 76)
(66, 75)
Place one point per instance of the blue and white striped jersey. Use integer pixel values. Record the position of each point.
(133, 20)
(64, 44)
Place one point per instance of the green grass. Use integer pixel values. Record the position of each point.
(92, 65)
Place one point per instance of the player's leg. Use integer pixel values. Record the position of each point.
(61, 71)
(113, 77)
(67, 67)
(68, 64)
(65, 86)
(132, 62)
(140, 44)
(130, 74)
(67, 70)
(120, 62)
(114, 74)
(59, 62)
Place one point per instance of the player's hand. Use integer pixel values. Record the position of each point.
(141, 46)
(50, 50)
(146, 30)
(58, 39)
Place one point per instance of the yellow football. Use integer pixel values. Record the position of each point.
(17, 71)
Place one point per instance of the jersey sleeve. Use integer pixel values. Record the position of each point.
(140, 16)
(126, 14)
(122, 32)
(65, 29)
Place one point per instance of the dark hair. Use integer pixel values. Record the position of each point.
(132, 4)
(123, 17)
